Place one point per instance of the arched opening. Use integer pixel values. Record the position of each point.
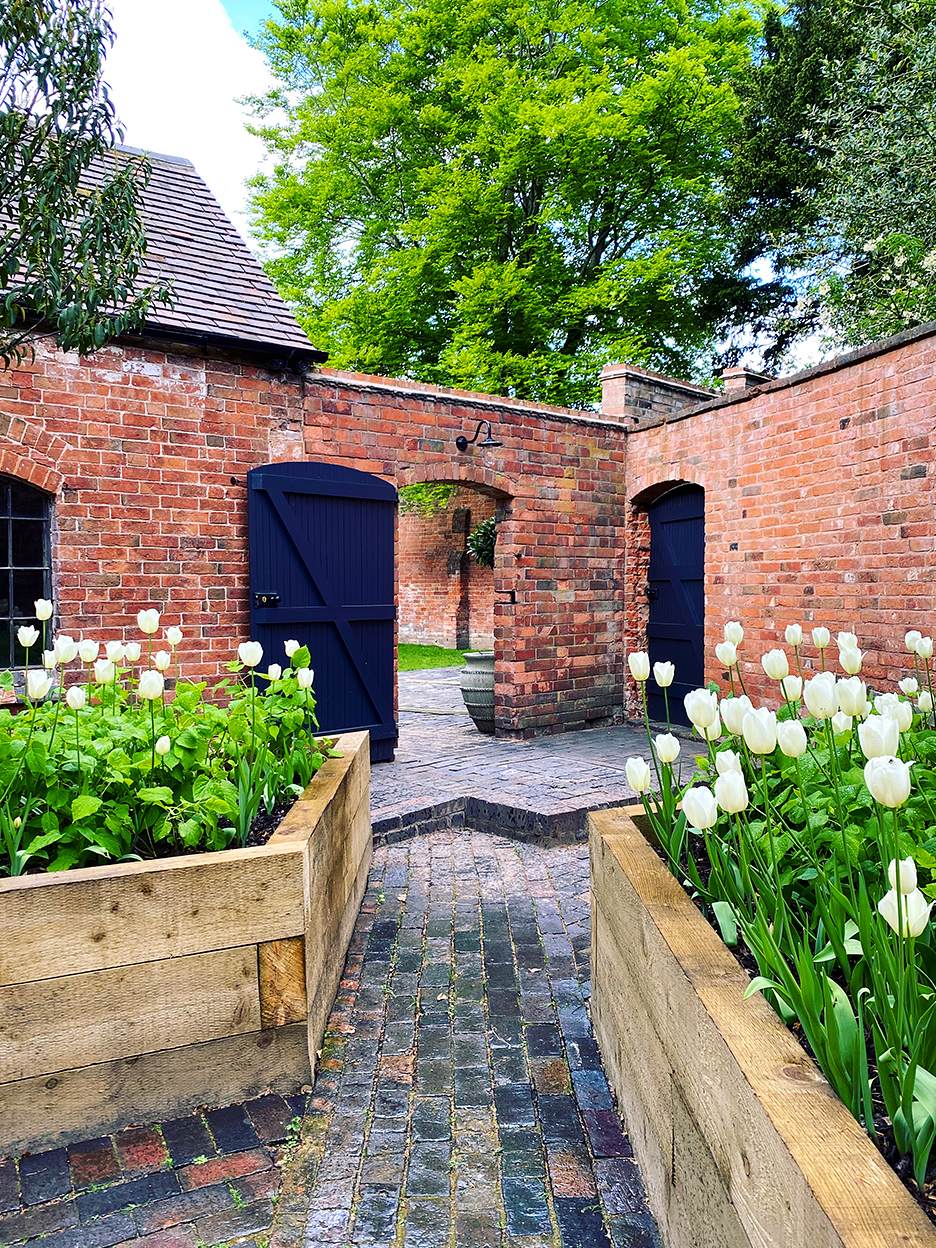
(675, 589)
(25, 564)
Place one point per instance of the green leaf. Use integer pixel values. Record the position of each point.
(84, 805)
(156, 796)
(727, 921)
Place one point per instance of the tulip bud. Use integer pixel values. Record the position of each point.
(728, 760)
(161, 660)
(794, 635)
(250, 653)
(925, 647)
(906, 868)
(65, 648)
(148, 621)
(274, 672)
(114, 651)
(911, 639)
(667, 747)
(760, 731)
(820, 697)
(663, 674)
(840, 723)
(132, 651)
(43, 609)
(909, 913)
(850, 660)
(775, 664)
(27, 636)
(888, 780)
(733, 711)
(925, 701)
(104, 671)
(638, 774)
(792, 687)
(38, 684)
(304, 677)
(700, 808)
(639, 664)
(791, 737)
(851, 695)
(290, 647)
(902, 714)
(909, 686)
(173, 635)
(712, 731)
(879, 737)
(49, 659)
(76, 697)
(88, 650)
(163, 746)
(701, 707)
(150, 686)
(727, 653)
(821, 638)
(731, 793)
(734, 632)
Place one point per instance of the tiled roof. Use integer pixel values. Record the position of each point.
(220, 292)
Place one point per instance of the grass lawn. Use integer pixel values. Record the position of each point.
(413, 658)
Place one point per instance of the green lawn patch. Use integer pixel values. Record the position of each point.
(414, 658)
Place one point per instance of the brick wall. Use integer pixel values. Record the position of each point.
(819, 506)
(445, 598)
(634, 396)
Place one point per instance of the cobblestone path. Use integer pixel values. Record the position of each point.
(460, 1098)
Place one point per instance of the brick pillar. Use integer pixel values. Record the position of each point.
(635, 396)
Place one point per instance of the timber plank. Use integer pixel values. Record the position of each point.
(282, 982)
(352, 768)
(98, 1100)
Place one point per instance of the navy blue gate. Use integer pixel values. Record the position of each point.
(322, 572)
(676, 588)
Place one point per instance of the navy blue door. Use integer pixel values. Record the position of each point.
(676, 586)
(321, 571)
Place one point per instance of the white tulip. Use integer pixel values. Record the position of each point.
(733, 711)
(791, 737)
(850, 661)
(911, 913)
(847, 641)
(888, 780)
(760, 731)
(132, 651)
(76, 697)
(701, 707)
(163, 746)
(911, 639)
(161, 660)
(274, 672)
(794, 635)
(883, 700)
(925, 701)
(250, 653)
(38, 684)
(879, 737)
(792, 687)
(829, 676)
(925, 647)
(906, 869)
(728, 760)
(148, 621)
(638, 774)
(700, 808)
(734, 632)
(150, 686)
(43, 609)
(840, 723)
(667, 747)
(775, 664)
(174, 635)
(663, 674)
(820, 697)
(104, 671)
(65, 647)
(712, 731)
(902, 714)
(88, 650)
(731, 793)
(304, 677)
(49, 659)
(909, 686)
(639, 664)
(852, 695)
(290, 647)
(27, 636)
(821, 638)
(114, 651)
(727, 653)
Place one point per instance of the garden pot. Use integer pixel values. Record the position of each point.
(740, 1140)
(138, 991)
(477, 686)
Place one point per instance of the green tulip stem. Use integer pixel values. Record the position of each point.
(666, 704)
(799, 663)
(833, 768)
(741, 678)
(153, 734)
(78, 752)
(646, 714)
(731, 680)
(929, 685)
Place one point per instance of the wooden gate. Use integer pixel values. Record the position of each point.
(676, 587)
(321, 571)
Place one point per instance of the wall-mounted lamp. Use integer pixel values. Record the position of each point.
(463, 443)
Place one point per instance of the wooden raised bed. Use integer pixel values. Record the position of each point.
(740, 1140)
(139, 991)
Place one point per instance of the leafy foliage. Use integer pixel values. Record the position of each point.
(425, 498)
(71, 236)
(503, 196)
(482, 541)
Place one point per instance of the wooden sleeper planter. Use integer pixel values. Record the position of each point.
(740, 1140)
(139, 991)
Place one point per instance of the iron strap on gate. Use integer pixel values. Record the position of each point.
(322, 572)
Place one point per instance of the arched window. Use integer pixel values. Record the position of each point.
(25, 564)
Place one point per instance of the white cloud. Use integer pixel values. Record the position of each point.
(175, 71)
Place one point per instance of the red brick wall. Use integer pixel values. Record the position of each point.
(819, 506)
(445, 597)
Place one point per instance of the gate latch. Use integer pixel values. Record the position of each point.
(266, 600)
(652, 592)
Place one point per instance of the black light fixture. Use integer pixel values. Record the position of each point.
(463, 443)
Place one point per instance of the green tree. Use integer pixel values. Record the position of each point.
(71, 236)
(503, 195)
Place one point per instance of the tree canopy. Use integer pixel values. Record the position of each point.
(507, 194)
(71, 235)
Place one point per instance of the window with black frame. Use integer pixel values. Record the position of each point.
(25, 566)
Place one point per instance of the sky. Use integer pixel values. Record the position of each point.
(175, 72)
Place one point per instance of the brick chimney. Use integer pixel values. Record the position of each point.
(635, 396)
(738, 379)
